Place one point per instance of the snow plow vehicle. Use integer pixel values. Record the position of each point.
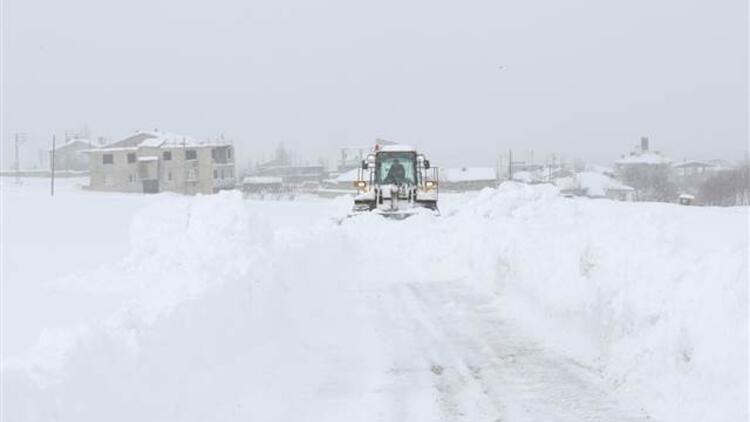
(396, 181)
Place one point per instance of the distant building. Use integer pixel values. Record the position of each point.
(519, 166)
(641, 158)
(262, 185)
(281, 166)
(293, 174)
(339, 184)
(351, 158)
(467, 178)
(598, 185)
(620, 192)
(698, 170)
(692, 168)
(649, 173)
(152, 162)
(72, 155)
(343, 180)
(690, 175)
(594, 184)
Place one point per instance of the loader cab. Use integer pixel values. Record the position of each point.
(396, 167)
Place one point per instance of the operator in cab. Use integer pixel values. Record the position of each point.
(396, 174)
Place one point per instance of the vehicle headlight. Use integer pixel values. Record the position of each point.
(430, 184)
(360, 184)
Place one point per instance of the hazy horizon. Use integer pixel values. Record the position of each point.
(463, 83)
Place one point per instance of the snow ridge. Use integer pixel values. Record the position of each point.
(517, 304)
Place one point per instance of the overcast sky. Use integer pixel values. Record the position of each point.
(463, 81)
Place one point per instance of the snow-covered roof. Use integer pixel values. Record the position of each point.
(75, 142)
(597, 184)
(644, 158)
(592, 184)
(111, 149)
(397, 148)
(596, 168)
(261, 180)
(693, 163)
(468, 174)
(159, 139)
(566, 183)
(348, 176)
(615, 185)
(721, 164)
(166, 139)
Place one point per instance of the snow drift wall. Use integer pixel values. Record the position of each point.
(229, 316)
(653, 296)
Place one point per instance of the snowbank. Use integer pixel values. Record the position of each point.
(653, 296)
(179, 247)
(233, 313)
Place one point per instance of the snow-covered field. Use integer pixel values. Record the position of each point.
(515, 305)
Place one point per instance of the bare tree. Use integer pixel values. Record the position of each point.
(727, 187)
(652, 182)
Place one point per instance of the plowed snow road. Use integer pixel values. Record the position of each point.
(481, 368)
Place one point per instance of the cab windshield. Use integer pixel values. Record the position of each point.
(396, 168)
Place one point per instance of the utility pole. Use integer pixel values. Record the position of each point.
(510, 164)
(549, 170)
(52, 183)
(554, 164)
(184, 157)
(19, 139)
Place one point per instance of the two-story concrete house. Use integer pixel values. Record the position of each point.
(152, 162)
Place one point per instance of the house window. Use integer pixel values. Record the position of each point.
(216, 174)
(213, 153)
(131, 157)
(229, 153)
(108, 159)
(169, 176)
(131, 178)
(191, 154)
(167, 155)
(108, 181)
(192, 175)
(222, 173)
(231, 172)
